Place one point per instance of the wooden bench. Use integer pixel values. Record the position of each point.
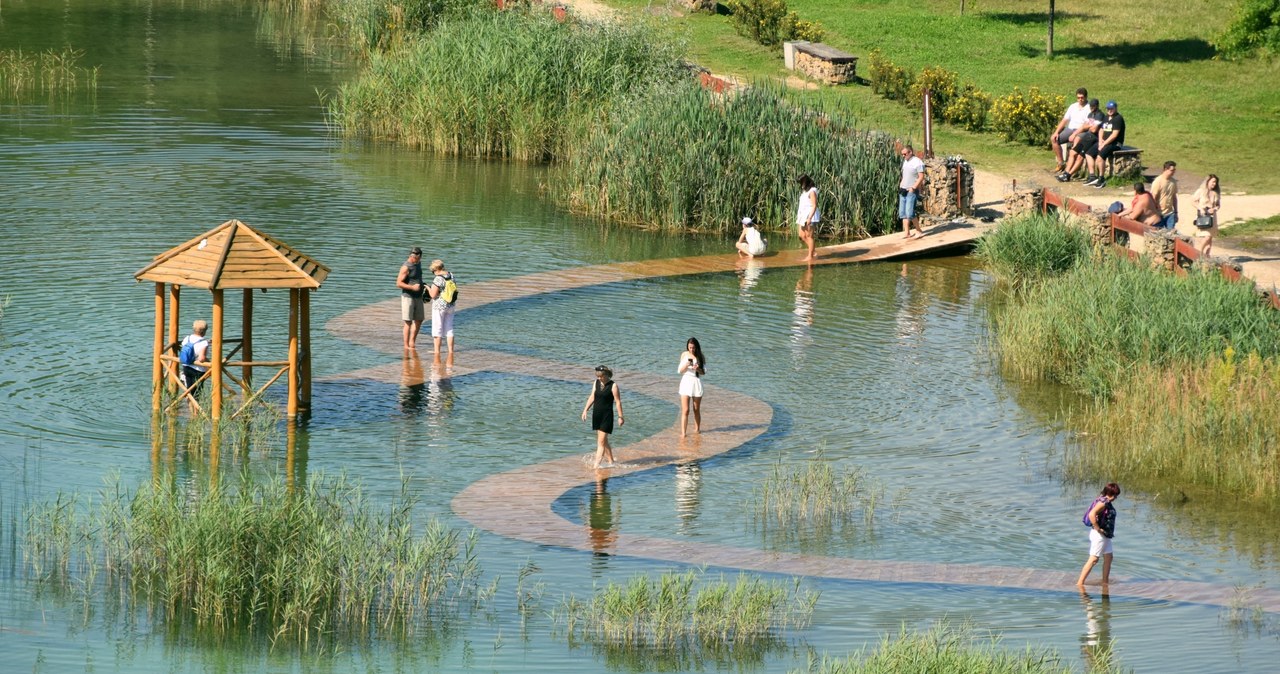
(1125, 160)
(824, 62)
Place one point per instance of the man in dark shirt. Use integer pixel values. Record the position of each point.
(1110, 139)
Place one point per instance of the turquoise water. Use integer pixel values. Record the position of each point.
(208, 111)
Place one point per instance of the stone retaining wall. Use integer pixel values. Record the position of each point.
(820, 69)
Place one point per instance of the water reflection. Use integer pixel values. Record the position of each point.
(802, 320)
(1097, 644)
(749, 271)
(688, 503)
(422, 392)
(912, 307)
(601, 515)
(412, 395)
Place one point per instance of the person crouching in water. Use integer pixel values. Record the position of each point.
(605, 396)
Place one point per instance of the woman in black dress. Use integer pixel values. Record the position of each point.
(605, 396)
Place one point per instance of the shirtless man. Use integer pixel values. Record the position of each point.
(1143, 208)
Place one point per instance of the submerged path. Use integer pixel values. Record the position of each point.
(518, 503)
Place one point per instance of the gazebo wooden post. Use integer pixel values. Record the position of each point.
(246, 345)
(157, 371)
(175, 313)
(304, 337)
(215, 403)
(292, 408)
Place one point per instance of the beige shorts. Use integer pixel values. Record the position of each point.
(412, 309)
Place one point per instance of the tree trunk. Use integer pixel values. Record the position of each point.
(1048, 50)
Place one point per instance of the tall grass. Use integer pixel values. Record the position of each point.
(677, 611)
(298, 565)
(816, 495)
(1091, 326)
(50, 72)
(954, 650)
(378, 25)
(1212, 425)
(1027, 249)
(508, 84)
(679, 157)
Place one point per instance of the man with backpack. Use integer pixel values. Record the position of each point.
(193, 356)
(444, 295)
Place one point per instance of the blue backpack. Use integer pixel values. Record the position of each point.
(187, 354)
(1088, 510)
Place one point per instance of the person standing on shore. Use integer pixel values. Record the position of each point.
(1208, 198)
(909, 190)
(605, 397)
(807, 215)
(412, 311)
(1165, 189)
(441, 307)
(1101, 520)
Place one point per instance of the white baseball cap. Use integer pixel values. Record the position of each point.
(746, 221)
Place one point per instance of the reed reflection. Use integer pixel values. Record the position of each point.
(688, 499)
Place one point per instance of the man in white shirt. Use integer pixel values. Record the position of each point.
(909, 190)
(1072, 119)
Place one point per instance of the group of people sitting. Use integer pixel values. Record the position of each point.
(1085, 139)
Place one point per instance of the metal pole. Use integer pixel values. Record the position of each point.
(928, 124)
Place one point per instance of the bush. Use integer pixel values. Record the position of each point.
(969, 109)
(1030, 248)
(769, 23)
(887, 79)
(1256, 29)
(1028, 117)
(941, 83)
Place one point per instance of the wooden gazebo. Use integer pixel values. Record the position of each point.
(234, 256)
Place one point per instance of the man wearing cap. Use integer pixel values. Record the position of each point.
(1110, 139)
(1071, 120)
(750, 243)
(412, 310)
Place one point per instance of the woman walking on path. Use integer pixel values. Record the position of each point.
(807, 214)
(1208, 198)
(692, 365)
(605, 396)
(1101, 520)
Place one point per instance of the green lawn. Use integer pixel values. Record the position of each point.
(1210, 116)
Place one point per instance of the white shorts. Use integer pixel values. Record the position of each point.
(441, 320)
(1099, 545)
(756, 250)
(690, 386)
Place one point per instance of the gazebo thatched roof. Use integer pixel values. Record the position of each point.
(234, 255)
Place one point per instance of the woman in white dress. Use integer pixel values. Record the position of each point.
(692, 366)
(807, 215)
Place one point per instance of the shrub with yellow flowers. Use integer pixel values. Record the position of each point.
(1028, 117)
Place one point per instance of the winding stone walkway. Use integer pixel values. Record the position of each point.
(518, 503)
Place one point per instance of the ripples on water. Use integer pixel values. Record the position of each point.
(878, 366)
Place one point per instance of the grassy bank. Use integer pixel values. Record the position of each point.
(1178, 101)
(683, 158)
(510, 84)
(301, 565)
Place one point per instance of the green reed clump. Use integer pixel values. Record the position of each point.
(297, 564)
(50, 72)
(1029, 248)
(1210, 425)
(676, 610)
(679, 157)
(378, 25)
(955, 650)
(1089, 327)
(816, 496)
(506, 84)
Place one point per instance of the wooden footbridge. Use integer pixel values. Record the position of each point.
(518, 503)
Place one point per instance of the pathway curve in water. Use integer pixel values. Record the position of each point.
(518, 503)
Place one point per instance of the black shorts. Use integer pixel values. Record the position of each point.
(191, 375)
(1109, 150)
(1085, 141)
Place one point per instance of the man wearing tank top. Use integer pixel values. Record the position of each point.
(412, 310)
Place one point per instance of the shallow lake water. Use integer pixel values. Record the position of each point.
(209, 111)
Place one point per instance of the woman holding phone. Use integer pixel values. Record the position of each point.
(692, 366)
